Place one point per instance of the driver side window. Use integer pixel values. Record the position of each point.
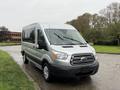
(40, 36)
(41, 40)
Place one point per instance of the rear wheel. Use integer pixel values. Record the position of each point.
(25, 61)
(46, 73)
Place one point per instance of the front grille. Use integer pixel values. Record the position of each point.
(77, 59)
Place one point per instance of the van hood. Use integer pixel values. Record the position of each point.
(73, 49)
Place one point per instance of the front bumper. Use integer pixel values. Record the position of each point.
(74, 71)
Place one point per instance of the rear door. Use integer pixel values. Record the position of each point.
(30, 43)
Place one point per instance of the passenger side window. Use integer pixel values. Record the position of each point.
(32, 35)
(29, 35)
(23, 35)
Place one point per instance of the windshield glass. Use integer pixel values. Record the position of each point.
(64, 37)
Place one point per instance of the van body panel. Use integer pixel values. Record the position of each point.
(67, 59)
(75, 71)
(75, 49)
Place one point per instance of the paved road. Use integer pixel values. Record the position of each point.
(108, 77)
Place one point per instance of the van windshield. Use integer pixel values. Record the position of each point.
(64, 37)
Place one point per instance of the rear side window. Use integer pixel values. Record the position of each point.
(29, 35)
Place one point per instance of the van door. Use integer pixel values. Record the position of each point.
(42, 46)
(30, 43)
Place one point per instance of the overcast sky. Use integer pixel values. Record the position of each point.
(15, 14)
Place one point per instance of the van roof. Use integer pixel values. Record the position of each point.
(51, 26)
(56, 26)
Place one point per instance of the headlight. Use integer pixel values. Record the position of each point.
(58, 55)
(94, 52)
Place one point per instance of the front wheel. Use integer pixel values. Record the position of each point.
(46, 73)
(25, 61)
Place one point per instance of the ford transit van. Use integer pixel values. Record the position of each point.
(58, 50)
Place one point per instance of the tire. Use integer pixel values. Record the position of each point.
(25, 61)
(46, 73)
(88, 76)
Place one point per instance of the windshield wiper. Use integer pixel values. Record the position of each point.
(61, 37)
(73, 39)
(58, 36)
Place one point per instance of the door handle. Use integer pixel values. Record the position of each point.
(35, 46)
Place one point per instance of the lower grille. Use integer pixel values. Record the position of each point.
(77, 59)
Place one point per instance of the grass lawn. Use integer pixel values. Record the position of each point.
(107, 49)
(8, 43)
(11, 76)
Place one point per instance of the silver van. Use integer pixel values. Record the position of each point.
(58, 50)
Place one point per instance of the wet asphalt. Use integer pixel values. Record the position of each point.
(107, 78)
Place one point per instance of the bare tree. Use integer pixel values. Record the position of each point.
(3, 28)
(112, 12)
(4, 36)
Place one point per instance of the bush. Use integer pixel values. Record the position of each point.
(113, 42)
